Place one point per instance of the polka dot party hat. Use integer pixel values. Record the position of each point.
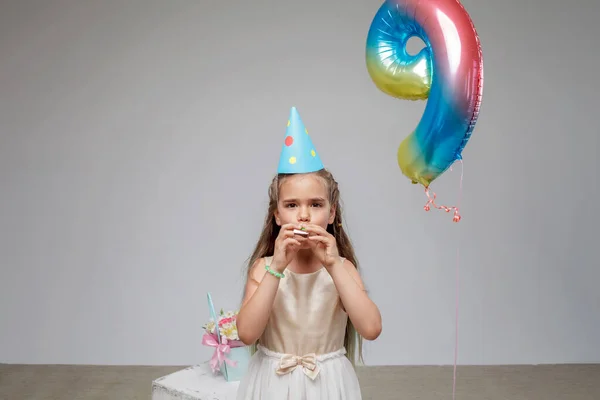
(298, 154)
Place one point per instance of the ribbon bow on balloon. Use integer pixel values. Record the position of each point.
(289, 362)
(221, 349)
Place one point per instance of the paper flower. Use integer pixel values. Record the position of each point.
(229, 331)
(226, 325)
(210, 326)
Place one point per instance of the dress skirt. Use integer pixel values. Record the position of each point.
(277, 376)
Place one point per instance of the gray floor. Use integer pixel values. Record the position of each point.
(556, 382)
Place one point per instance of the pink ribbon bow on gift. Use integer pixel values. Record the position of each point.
(221, 349)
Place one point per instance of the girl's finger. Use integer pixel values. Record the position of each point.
(317, 230)
(319, 239)
(285, 242)
(284, 235)
(291, 240)
(314, 229)
(322, 245)
(287, 233)
(290, 227)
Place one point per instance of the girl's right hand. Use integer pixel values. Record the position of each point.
(286, 247)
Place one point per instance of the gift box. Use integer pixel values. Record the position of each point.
(231, 355)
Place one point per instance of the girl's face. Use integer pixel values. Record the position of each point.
(303, 199)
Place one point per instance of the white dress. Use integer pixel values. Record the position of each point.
(301, 354)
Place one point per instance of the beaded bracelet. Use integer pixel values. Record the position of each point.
(274, 273)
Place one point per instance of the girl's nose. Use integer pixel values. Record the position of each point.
(303, 216)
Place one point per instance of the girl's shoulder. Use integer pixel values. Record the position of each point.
(257, 270)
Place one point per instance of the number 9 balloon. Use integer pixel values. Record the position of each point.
(448, 72)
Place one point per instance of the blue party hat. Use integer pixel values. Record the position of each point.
(298, 155)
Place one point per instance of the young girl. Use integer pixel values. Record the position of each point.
(305, 309)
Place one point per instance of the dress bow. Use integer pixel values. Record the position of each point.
(289, 362)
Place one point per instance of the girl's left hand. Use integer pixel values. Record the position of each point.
(323, 245)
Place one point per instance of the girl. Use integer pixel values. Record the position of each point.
(305, 309)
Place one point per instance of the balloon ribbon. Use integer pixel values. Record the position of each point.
(431, 199)
(431, 202)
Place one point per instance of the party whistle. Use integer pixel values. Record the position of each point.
(300, 232)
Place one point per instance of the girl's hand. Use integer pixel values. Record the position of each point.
(286, 247)
(323, 244)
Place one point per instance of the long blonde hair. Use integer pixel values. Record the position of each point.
(266, 245)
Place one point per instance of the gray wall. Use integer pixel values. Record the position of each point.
(128, 129)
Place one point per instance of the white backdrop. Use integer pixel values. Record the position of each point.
(138, 140)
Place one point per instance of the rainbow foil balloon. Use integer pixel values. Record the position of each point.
(448, 72)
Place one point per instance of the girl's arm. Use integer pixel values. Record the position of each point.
(363, 313)
(259, 296)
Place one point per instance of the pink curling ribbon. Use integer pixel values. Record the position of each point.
(431, 200)
(221, 349)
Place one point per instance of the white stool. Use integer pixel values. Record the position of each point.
(194, 383)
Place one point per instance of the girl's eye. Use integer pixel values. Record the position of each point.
(290, 205)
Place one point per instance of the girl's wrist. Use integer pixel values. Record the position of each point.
(336, 264)
(277, 266)
(271, 269)
(332, 260)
